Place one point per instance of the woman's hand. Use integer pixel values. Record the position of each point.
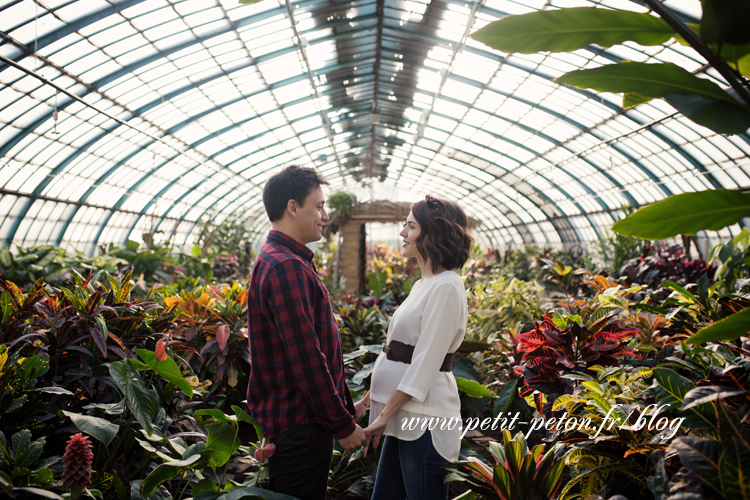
(361, 406)
(375, 432)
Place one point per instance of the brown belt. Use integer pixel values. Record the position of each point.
(398, 351)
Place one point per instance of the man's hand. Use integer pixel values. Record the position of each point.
(361, 406)
(353, 441)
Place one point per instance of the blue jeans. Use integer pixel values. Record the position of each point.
(410, 469)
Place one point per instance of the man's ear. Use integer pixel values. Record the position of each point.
(291, 207)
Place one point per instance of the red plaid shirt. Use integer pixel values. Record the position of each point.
(296, 364)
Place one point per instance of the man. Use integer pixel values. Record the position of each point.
(297, 390)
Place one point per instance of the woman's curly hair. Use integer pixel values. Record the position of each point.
(444, 236)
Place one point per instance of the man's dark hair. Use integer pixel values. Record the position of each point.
(444, 235)
(292, 183)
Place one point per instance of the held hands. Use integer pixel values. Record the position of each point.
(375, 432)
(354, 441)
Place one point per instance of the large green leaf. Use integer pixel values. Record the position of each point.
(700, 456)
(99, 428)
(728, 329)
(571, 29)
(725, 21)
(686, 213)
(734, 471)
(506, 396)
(241, 415)
(737, 56)
(473, 389)
(139, 400)
(168, 470)
(251, 493)
(707, 394)
(647, 80)
(167, 369)
(223, 439)
(720, 116)
(672, 388)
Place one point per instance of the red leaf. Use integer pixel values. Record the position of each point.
(222, 336)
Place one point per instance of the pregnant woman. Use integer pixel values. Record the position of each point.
(413, 389)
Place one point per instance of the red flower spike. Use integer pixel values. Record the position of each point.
(77, 462)
(160, 351)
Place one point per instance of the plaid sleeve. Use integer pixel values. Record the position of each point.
(291, 294)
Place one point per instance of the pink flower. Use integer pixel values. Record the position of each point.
(264, 451)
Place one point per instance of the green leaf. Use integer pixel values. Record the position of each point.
(102, 326)
(720, 116)
(707, 394)
(727, 329)
(631, 99)
(571, 29)
(473, 389)
(223, 439)
(139, 400)
(737, 56)
(196, 251)
(6, 306)
(218, 415)
(725, 21)
(38, 492)
(43, 476)
(99, 428)
(672, 389)
(54, 390)
(734, 471)
(6, 258)
(254, 493)
(505, 397)
(241, 415)
(648, 80)
(169, 470)
(167, 369)
(686, 213)
(700, 456)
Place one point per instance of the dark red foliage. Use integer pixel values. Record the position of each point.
(550, 351)
(666, 263)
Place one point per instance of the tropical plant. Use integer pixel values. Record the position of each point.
(615, 249)
(721, 39)
(22, 468)
(657, 264)
(734, 259)
(518, 472)
(342, 203)
(210, 331)
(580, 335)
(146, 264)
(608, 442)
(53, 263)
(501, 306)
(712, 467)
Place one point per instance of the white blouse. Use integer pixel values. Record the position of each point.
(433, 320)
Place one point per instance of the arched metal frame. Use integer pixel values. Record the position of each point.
(170, 111)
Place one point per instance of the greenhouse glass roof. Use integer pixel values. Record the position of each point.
(122, 117)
